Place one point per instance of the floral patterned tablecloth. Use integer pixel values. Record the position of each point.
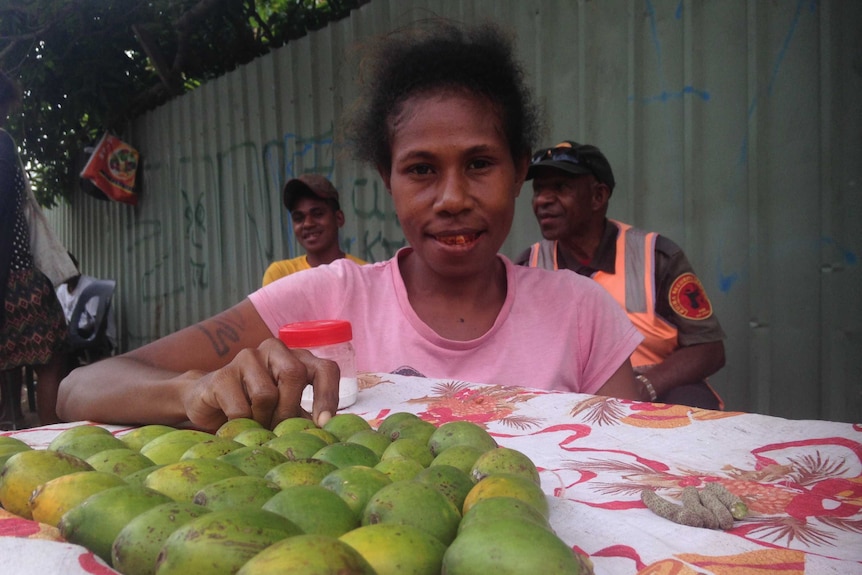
(802, 480)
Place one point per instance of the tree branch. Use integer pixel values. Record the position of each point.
(169, 76)
(184, 26)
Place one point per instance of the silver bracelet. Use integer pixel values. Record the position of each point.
(648, 385)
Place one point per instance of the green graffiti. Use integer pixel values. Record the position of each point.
(195, 219)
(155, 230)
(199, 274)
(360, 190)
(389, 247)
(149, 275)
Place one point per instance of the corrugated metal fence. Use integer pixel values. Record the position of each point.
(734, 127)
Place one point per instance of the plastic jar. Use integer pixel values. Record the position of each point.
(328, 339)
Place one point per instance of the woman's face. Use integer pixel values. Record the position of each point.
(453, 181)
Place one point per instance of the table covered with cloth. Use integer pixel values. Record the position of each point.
(801, 479)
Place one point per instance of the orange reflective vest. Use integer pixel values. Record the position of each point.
(632, 285)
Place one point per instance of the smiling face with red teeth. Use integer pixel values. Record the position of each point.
(453, 182)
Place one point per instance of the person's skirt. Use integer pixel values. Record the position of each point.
(34, 327)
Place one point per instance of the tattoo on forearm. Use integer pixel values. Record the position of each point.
(223, 331)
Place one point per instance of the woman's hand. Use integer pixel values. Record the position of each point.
(225, 367)
(264, 384)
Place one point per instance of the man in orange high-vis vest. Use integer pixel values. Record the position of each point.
(648, 274)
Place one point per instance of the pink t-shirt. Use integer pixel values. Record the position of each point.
(555, 331)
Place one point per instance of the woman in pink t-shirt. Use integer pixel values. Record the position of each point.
(448, 123)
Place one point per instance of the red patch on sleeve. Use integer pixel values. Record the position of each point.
(688, 298)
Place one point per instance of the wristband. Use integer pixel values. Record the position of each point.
(648, 385)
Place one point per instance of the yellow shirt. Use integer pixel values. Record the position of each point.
(283, 268)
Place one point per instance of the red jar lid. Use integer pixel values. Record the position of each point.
(315, 333)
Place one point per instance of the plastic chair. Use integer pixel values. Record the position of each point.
(92, 344)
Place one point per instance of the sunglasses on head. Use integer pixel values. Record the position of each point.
(558, 154)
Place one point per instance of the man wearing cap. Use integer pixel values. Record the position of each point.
(646, 273)
(316, 214)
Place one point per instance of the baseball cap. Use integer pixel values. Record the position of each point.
(309, 185)
(574, 158)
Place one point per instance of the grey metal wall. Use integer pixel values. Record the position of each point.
(734, 127)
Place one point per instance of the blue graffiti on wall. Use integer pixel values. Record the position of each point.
(208, 183)
(848, 257)
(776, 67)
(665, 95)
(727, 279)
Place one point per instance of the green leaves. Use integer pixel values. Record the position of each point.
(84, 68)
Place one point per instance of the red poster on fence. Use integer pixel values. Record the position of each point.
(112, 169)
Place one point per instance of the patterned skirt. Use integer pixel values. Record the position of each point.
(34, 327)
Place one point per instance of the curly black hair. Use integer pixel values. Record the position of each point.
(432, 56)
